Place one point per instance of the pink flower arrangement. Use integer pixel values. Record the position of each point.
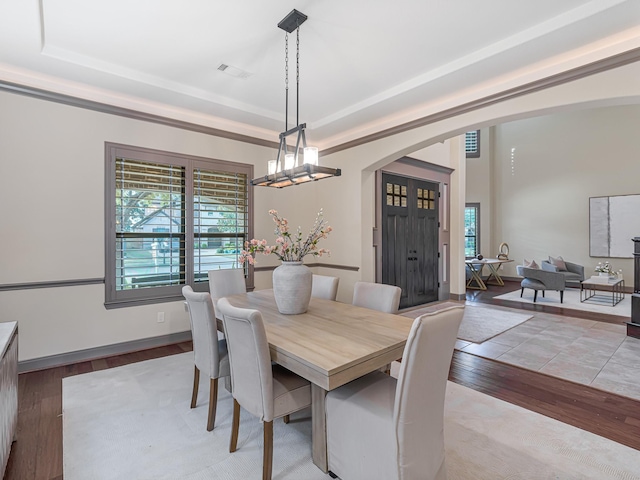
(288, 247)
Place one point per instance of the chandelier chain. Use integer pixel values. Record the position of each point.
(286, 81)
(286, 60)
(298, 75)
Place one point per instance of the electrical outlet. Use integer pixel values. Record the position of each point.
(160, 317)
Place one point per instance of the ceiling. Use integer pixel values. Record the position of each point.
(364, 65)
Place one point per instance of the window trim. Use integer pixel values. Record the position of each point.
(475, 205)
(173, 293)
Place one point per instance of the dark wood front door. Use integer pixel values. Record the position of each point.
(410, 238)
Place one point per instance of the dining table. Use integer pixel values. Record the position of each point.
(331, 344)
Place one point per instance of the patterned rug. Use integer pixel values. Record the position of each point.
(479, 323)
(134, 422)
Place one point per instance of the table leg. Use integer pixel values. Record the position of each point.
(319, 428)
(493, 272)
(476, 277)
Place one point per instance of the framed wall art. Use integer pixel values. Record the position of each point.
(613, 222)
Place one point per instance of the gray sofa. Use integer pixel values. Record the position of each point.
(538, 279)
(573, 274)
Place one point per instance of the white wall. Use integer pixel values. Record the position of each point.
(52, 222)
(479, 188)
(547, 167)
(52, 205)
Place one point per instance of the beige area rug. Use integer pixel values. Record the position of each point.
(134, 422)
(572, 301)
(479, 323)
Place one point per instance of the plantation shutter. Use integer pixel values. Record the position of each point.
(150, 225)
(472, 144)
(221, 219)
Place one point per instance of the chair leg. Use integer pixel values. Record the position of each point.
(543, 293)
(213, 403)
(267, 457)
(535, 295)
(235, 424)
(196, 382)
(521, 292)
(285, 419)
(561, 295)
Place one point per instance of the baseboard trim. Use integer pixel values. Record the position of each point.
(457, 296)
(101, 352)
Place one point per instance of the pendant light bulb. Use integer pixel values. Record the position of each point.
(289, 161)
(311, 155)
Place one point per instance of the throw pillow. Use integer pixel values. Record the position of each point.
(530, 264)
(558, 262)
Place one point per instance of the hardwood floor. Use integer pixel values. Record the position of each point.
(37, 454)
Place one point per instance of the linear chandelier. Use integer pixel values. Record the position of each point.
(286, 169)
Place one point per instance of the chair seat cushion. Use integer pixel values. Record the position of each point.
(364, 406)
(532, 283)
(572, 277)
(290, 392)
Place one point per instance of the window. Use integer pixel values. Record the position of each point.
(471, 230)
(169, 220)
(472, 144)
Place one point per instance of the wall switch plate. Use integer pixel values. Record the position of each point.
(160, 317)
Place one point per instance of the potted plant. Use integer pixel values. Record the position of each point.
(292, 279)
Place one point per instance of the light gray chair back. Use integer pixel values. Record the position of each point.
(377, 296)
(378, 427)
(420, 393)
(251, 374)
(225, 282)
(550, 280)
(203, 331)
(324, 286)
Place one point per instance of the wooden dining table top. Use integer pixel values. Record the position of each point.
(333, 342)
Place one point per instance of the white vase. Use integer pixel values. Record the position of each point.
(603, 274)
(292, 287)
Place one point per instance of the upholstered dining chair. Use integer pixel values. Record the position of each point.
(225, 282)
(380, 427)
(324, 286)
(210, 354)
(377, 296)
(266, 391)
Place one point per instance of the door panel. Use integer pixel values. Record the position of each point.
(410, 238)
(397, 227)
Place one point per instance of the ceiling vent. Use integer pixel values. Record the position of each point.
(233, 71)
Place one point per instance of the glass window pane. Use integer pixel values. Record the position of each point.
(149, 225)
(220, 220)
(471, 231)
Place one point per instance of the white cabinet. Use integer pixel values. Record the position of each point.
(8, 390)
